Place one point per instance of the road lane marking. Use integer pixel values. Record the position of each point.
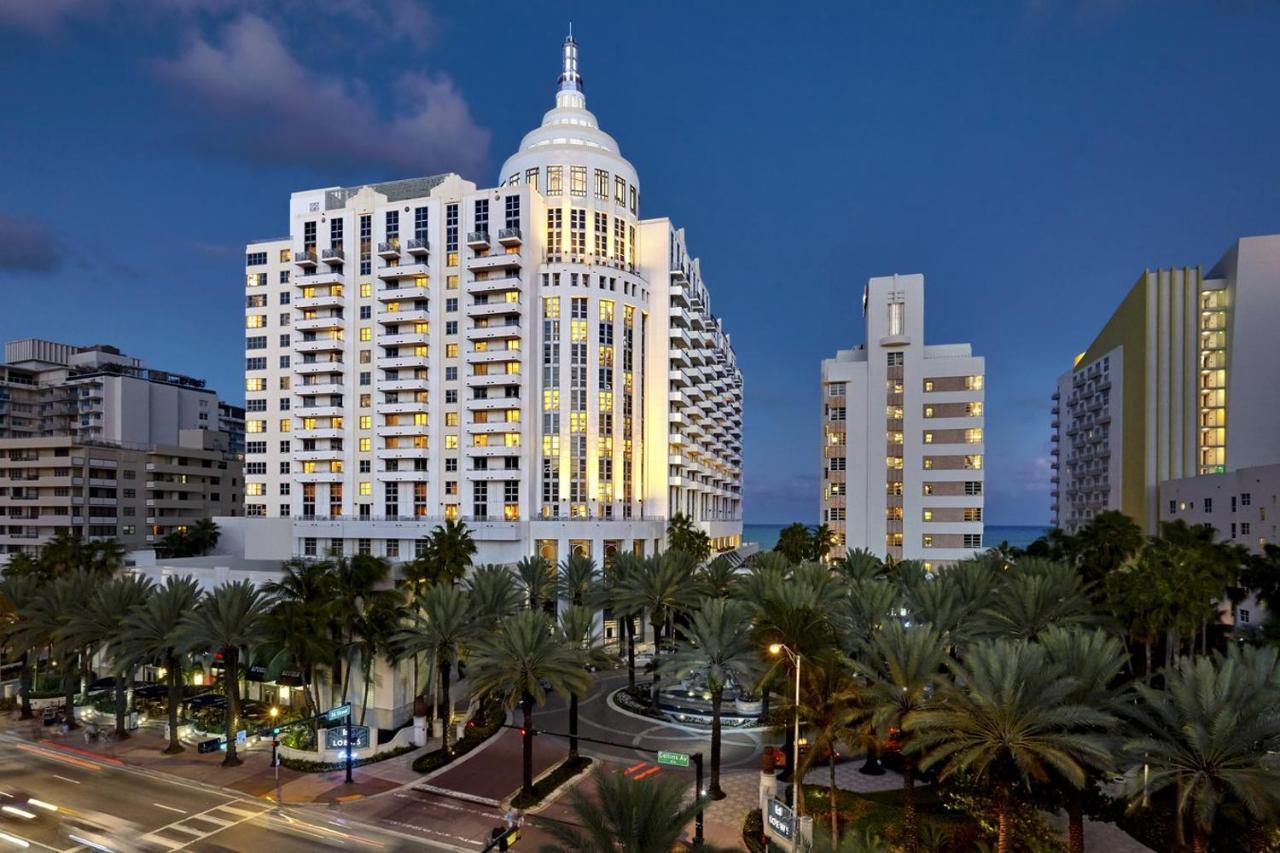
(236, 811)
(647, 773)
(198, 833)
(65, 779)
(633, 768)
(169, 808)
(177, 827)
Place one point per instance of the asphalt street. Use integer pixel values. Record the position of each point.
(123, 809)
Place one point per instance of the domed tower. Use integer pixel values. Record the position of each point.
(593, 307)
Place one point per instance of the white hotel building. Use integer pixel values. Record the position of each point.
(902, 435)
(533, 359)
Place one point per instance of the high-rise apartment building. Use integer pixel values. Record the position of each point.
(1180, 382)
(533, 359)
(95, 443)
(902, 440)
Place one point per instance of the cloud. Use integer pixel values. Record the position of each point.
(27, 245)
(284, 112)
(44, 17)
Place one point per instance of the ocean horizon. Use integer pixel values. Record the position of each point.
(1017, 535)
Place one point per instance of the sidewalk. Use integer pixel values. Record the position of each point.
(255, 777)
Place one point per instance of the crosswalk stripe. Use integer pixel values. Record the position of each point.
(239, 812)
(217, 821)
(167, 842)
(189, 830)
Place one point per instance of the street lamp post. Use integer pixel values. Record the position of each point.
(775, 649)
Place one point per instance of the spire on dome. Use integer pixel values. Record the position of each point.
(569, 84)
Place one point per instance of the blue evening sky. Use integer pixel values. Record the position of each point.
(1029, 158)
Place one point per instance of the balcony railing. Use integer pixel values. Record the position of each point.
(510, 237)
(334, 256)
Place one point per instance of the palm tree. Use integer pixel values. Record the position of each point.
(374, 628)
(203, 536)
(577, 627)
(1095, 660)
(46, 624)
(717, 645)
(355, 586)
(537, 579)
(683, 535)
(1039, 596)
(903, 668)
(104, 558)
(1105, 543)
(576, 578)
(663, 586)
(717, 579)
(494, 595)
(109, 609)
(822, 541)
(625, 816)
(230, 619)
(615, 595)
(452, 549)
(446, 627)
(153, 632)
(1008, 720)
(1211, 734)
(831, 707)
(794, 543)
(64, 553)
(859, 563)
(515, 660)
(19, 591)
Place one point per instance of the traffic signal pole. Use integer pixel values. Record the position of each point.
(349, 748)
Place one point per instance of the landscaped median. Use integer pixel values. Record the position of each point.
(548, 782)
(485, 724)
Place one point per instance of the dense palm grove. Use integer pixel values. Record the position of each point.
(1089, 675)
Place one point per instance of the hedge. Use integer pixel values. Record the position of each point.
(484, 725)
(305, 766)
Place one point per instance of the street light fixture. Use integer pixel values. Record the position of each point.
(775, 649)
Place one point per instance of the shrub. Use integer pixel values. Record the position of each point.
(488, 719)
(304, 766)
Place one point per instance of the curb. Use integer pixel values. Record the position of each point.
(457, 795)
(565, 787)
(614, 706)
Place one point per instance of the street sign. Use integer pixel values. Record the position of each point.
(780, 819)
(242, 737)
(674, 759)
(338, 713)
(336, 737)
(211, 745)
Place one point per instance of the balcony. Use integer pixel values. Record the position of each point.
(407, 407)
(327, 301)
(320, 278)
(319, 477)
(494, 380)
(501, 260)
(316, 367)
(398, 317)
(489, 404)
(679, 295)
(320, 345)
(510, 237)
(334, 257)
(478, 239)
(397, 292)
(401, 453)
(495, 285)
(493, 355)
(409, 270)
(410, 383)
(402, 430)
(389, 250)
(412, 476)
(319, 432)
(494, 309)
(306, 260)
(419, 248)
(325, 455)
(488, 333)
(318, 323)
(405, 339)
(398, 362)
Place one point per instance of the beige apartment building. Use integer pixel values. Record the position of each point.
(93, 442)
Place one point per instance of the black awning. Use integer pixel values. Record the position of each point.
(255, 673)
(292, 678)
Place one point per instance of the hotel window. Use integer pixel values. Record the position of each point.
(928, 438)
(366, 444)
(895, 359)
(531, 177)
(421, 223)
(620, 190)
(366, 488)
(973, 462)
(578, 180)
(601, 247)
(577, 231)
(335, 233)
(633, 198)
(366, 244)
(973, 540)
(255, 321)
(897, 321)
(973, 513)
(451, 235)
(973, 487)
(927, 541)
(928, 385)
(255, 259)
(973, 383)
(255, 384)
(554, 222)
(973, 436)
(835, 389)
(973, 410)
(555, 180)
(366, 422)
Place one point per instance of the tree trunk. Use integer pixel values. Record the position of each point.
(1199, 840)
(69, 691)
(764, 701)
(1256, 834)
(121, 731)
(573, 726)
(653, 695)
(446, 712)
(174, 673)
(526, 707)
(909, 834)
(364, 698)
(835, 826)
(230, 673)
(631, 652)
(1002, 818)
(25, 678)
(1075, 823)
(1146, 647)
(717, 696)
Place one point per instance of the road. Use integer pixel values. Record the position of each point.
(141, 811)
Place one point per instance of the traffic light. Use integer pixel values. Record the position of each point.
(524, 731)
(503, 837)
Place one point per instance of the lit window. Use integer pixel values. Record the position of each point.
(366, 290)
(451, 442)
(366, 334)
(366, 445)
(451, 350)
(366, 488)
(366, 422)
(285, 424)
